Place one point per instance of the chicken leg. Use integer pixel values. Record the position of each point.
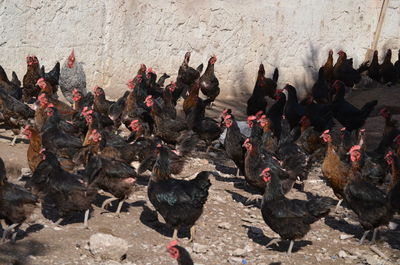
(175, 235)
(192, 233)
(374, 236)
(85, 220)
(363, 237)
(14, 140)
(290, 247)
(108, 201)
(119, 207)
(337, 205)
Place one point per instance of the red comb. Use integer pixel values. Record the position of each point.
(343, 129)
(355, 148)
(326, 132)
(227, 117)
(251, 118)
(159, 146)
(172, 244)
(51, 105)
(265, 170)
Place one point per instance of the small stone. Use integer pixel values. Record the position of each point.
(57, 228)
(342, 254)
(198, 248)
(249, 220)
(225, 225)
(235, 260)
(108, 247)
(344, 237)
(239, 252)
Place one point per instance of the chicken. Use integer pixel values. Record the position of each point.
(67, 191)
(293, 110)
(53, 76)
(11, 87)
(374, 68)
(321, 91)
(343, 70)
(72, 76)
(269, 141)
(186, 76)
(66, 112)
(206, 128)
(30, 90)
(256, 161)
(209, 83)
(112, 176)
(371, 205)
(387, 69)
(193, 99)
(234, 143)
(45, 87)
(310, 140)
(263, 87)
(333, 169)
(16, 204)
(275, 113)
(291, 219)
(320, 115)
(179, 253)
(35, 146)
(328, 68)
(180, 202)
(101, 104)
(390, 132)
(81, 101)
(397, 65)
(393, 161)
(162, 79)
(169, 130)
(348, 115)
(169, 107)
(15, 113)
(55, 140)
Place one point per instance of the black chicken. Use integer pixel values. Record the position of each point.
(16, 204)
(291, 219)
(209, 83)
(180, 202)
(348, 115)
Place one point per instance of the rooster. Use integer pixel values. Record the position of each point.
(186, 76)
(72, 76)
(180, 202)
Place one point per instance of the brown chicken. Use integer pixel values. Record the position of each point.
(35, 146)
(45, 87)
(192, 99)
(30, 90)
(66, 112)
(387, 69)
(333, 169)
(310, 140)
(328, 67)
(208, 81)
(101, 104)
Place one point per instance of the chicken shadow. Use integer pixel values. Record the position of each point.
(242, 199)
(112, 207)
(149, 218)
(220, 178)
(261, 239)
(21, 234)
(20, 252)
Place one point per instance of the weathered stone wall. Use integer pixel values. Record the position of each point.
(113, 37)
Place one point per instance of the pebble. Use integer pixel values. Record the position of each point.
(239, 252)
(235, 260)
(249, 220)
(342, 254)
(198, 248)
(225, 225)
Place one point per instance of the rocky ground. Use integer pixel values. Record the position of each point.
(230, 231)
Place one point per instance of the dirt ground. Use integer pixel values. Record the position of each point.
(230, 231)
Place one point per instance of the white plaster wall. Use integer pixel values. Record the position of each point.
(113, 37)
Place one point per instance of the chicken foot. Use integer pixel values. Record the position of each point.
(274, 241)
(108, 201)
(14, 140)
(254, 198)
(7, 230)
(337, 205)
(119, 207)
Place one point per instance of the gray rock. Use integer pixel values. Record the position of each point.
(108, 247)
(235, 260)
(198, 248)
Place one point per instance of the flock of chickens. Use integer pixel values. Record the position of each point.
(75, 149)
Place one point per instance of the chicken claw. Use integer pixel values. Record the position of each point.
(363, 237)
(107, 202)
(290, 247)
(254, 198)
(274, 241)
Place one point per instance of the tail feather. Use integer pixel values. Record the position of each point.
(275, 75)
(320, 206)
(202, 184)
(369, 107)
(187, 142)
